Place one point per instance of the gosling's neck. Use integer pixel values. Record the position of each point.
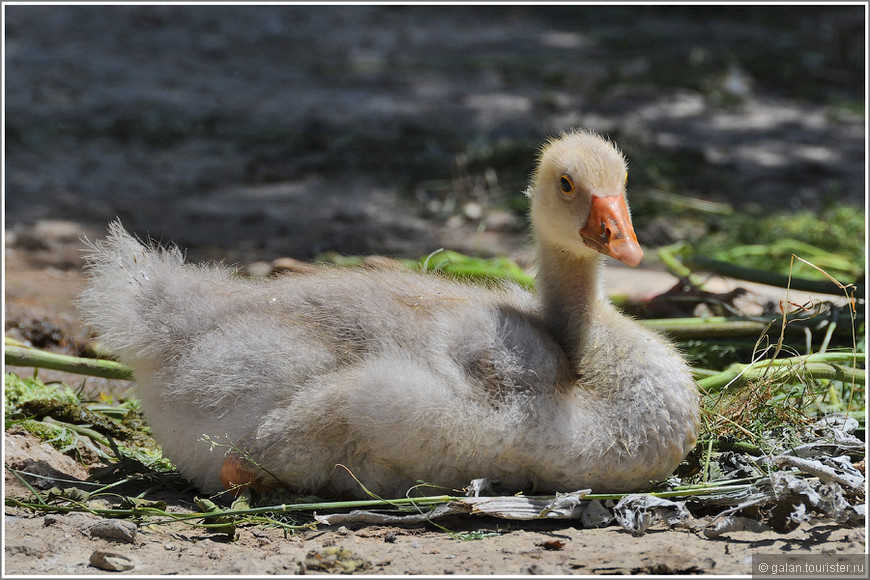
(570, 291)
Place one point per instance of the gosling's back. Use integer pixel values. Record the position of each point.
(396, 374)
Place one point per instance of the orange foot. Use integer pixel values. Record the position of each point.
(236, 477)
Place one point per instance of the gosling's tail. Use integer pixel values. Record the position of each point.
(142, 300)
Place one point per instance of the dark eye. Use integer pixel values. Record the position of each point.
(566, 185)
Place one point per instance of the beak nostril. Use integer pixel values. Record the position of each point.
(608, 230)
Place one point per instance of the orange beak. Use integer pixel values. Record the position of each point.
(608, 230)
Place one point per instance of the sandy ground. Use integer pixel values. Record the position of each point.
(247, 135)
(44, 544)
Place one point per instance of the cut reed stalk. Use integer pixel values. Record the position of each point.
(827, 365)
(24, 356)
(710, 327)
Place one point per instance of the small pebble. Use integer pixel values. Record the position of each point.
(390, 537)
(472, 210)
(111, 561)
(117, 530)
(292, 265)
(258, 269)
(454, 222)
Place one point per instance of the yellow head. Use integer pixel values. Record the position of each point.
(577, 198)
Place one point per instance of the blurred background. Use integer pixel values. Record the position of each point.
(251, 132)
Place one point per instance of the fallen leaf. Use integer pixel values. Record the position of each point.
(552, 545)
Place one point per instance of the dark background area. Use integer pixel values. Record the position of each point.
(249, 132)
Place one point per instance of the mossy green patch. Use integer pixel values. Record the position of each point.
(55, 414)
(832, 239)
(18, 390)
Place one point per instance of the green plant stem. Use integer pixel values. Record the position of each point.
(668, 256)
(25, 356)
(703, 489)
(818, 366)
(730, 327)
(763, 277)
(711, 327)
(260, 514)
(275, 509)
(35, 493)
(685, 202)
(741, 446)
(702, 373)
(80, 429)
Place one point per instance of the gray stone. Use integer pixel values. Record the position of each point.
(116, 530)
(111, 561)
